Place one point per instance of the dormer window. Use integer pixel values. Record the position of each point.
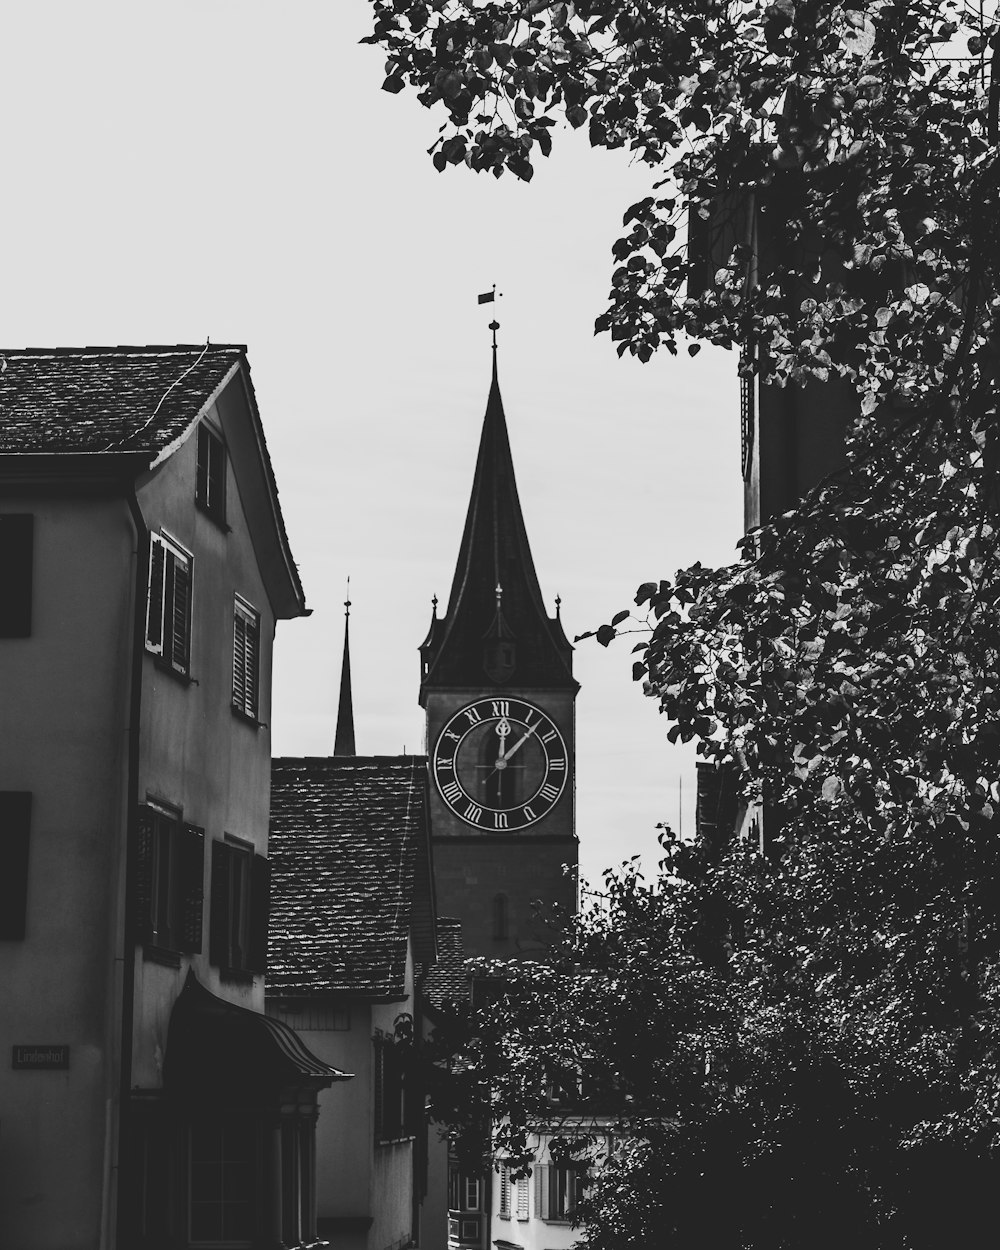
(210, 489)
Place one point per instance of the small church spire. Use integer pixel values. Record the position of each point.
(344, 740)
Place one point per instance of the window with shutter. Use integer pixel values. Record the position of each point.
(168, 603)
(504, 1211)
(168, 880)
(392, 1097)
(559, 1188)
(17, 541)
(521, 1197)
(15, 826)
(238, 919)
(192, 885)
(246, 657)
(210, 484)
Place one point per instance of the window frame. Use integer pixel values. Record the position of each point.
(169, 597)
(558, 1190)
(169, 881)
(246, 659)
(395, 1092)
(225, 1125)
(211, 474)
(239, 908)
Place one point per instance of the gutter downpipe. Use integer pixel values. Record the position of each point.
(128, 945)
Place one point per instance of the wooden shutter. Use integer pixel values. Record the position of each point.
(239, 659)
(145, 843)
(15, 827)
(540, 1172)
(504, 1189)
(252, 629)
(154, 599)
(260, 906)
(201, 481)
(17, 542)
(181, 622)
(522, 1196)
(191, 866)
(219, 923)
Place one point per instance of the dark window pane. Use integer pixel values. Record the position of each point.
(16, 560)
(15, 825)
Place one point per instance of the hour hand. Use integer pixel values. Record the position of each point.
(503, 730)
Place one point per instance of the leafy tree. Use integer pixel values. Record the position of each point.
(825, 197)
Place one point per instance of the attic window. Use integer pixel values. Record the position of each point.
(210, 488)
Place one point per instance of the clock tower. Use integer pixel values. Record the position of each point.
(498, 689)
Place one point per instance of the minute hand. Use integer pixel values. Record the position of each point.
(520, 742)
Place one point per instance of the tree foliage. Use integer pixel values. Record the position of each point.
(825, 196)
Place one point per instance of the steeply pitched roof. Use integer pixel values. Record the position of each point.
(350, 874)
(343, 742)
(495, 553)
(448, 979)
(103, 399)
(82, 412)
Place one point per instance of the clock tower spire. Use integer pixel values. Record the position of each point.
(498, 689)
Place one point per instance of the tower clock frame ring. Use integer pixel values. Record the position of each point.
(500, 764)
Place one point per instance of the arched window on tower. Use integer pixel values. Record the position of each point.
(501, 926)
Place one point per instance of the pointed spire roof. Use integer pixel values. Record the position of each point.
(343, 743)
(496, 629)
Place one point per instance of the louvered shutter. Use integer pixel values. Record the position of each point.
(15, 828)
(191, 863)
(522, 1198)
(181, 622)
(154, 600)
(145, 845)
(260, 906)
(17, 540)
(252, 634)
(204, 451)
(219, 923)
(239, 660)
(540, 1172)
(504, 1189)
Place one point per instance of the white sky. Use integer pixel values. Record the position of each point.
(231, 169)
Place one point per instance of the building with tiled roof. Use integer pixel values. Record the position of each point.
(144, 566)
(449, 979)
(352, 933)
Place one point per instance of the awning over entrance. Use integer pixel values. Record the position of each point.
(217, 1048)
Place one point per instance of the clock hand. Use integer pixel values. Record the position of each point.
(503, 729)
(521, 741)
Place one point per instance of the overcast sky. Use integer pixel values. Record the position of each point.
(232, 169)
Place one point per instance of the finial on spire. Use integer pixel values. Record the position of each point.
(343, 742)
(499, 593)
(494, 326)
(558, 606)
(434, 604)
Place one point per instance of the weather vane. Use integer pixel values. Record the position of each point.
(489, 297)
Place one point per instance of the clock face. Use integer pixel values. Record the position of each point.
(500, 764)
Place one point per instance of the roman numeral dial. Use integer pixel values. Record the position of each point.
(500, 764)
